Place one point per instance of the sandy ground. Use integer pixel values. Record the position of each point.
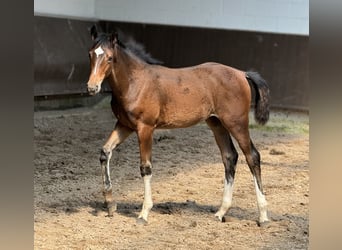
(187, 186)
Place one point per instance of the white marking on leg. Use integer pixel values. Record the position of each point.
(107, 180)
(148, 203)
(227, 198)
(262, 203)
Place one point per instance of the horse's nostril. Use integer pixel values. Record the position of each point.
(91, 90)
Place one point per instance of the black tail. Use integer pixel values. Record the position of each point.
(262, 97)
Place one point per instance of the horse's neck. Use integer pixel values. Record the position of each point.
(122, 73)
(128, 60)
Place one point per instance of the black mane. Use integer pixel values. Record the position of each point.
(128, 43)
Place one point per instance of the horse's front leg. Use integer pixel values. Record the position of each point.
(145, 135)
(119, 134)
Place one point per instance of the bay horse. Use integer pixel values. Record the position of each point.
(147, 96)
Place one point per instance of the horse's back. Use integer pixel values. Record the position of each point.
(194, 93)
(219, 81)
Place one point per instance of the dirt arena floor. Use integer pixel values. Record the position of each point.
(187, 186)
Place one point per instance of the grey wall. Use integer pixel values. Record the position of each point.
(60, 56)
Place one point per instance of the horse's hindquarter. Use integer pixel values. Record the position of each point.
(231, 91)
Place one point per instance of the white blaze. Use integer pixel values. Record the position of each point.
(99, 51)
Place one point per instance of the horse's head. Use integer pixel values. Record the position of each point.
(101, 57)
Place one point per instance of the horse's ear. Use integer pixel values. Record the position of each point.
(93, 32)
(114, 37)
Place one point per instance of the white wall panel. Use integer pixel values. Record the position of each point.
(78, 9)
(277, 16)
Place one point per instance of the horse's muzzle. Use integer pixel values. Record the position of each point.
(93, 90)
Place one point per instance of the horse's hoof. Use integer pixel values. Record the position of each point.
(229, 219)
(141, 221)
(221, 219)
(263, 224)
(112, 208)
(110, 212)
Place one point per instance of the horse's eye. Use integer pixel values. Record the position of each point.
(110, 59)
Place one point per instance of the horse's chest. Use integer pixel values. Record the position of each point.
(122, 115)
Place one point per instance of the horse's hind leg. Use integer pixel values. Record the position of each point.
(229, 158)
(119, 134)
(240, 132)
(256, 171)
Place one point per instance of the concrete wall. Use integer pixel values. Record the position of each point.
(275, 16)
